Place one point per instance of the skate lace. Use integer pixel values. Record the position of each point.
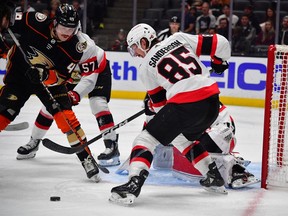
(88, 164)
(31, 144)
(133, 185)
(108, 150)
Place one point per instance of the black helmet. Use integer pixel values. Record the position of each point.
(67, 16)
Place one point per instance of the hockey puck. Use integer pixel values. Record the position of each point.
(54, 198)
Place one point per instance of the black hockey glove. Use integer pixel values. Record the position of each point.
(148, 107)
(37, 73)
(218, 66)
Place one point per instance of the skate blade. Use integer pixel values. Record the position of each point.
(96, 178)
(27, 156)
(111, 162)
(117, 199)
(218, 190)
(240, 184)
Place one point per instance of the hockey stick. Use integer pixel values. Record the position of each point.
(55, 104)
(17, 126)
(71, 150)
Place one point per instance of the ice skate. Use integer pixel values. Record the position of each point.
(242, 178)
(110, 157)
(127, 193)
(213, 182)
(29, 150)
(91, 169)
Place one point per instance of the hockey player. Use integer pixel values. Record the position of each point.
(184, 98)
(98, 99)
(52, 49)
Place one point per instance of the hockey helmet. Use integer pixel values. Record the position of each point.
(66, 15)
(138, 32)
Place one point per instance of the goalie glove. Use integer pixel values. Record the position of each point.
(37, 73)
(74, 97)
(218, 66)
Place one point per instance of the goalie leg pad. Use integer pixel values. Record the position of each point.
(163, 157)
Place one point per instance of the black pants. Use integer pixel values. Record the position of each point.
(190, 119)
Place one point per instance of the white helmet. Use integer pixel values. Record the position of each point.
(138, 32)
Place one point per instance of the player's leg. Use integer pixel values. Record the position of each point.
(42, 124)
(99, 98)
(140, 161)
(166, 125)
(201, 114)
(68, 123)
(12, 99)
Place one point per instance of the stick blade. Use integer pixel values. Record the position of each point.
(56, 147)
(17, 127)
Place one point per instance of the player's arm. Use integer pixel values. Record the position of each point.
(215, 45)
(218, 47)
(92, 63)
(157, 94)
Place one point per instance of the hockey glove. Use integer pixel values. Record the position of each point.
(37, 73)
(74, 97)
(149, 111)
(218, 66)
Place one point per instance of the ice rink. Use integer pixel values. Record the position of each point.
(26, 186)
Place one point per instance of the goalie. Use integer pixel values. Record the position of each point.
(219, 140)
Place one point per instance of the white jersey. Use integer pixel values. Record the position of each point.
(91, 64)
(173, 66)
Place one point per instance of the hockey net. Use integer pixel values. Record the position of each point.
(275, 135)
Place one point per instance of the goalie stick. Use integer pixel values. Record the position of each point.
(71, 150)
(17, 126)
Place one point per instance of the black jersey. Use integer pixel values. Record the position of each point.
(40, 47)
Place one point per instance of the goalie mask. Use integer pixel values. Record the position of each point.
(135, 35)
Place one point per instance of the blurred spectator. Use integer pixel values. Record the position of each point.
(77, 5)
(267, 36)
(216, 7)
(96, 11)
(270, 15)
(197, 4)
(190, 19)
(226, 14)
(223, 27)
(205, 21)
(54, 4)
(243, 36)
(248, 10)
(120, 43)
(174, 26)
(21, 7)
(283, 34)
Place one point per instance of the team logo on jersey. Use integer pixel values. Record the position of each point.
(40, 17)
(37, 57)
(81, 46)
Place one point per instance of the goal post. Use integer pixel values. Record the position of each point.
(275, 133)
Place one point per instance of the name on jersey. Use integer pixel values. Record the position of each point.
(162, 52)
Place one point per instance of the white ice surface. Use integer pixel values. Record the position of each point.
(26, 186)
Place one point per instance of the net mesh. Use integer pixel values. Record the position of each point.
(278, 140)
